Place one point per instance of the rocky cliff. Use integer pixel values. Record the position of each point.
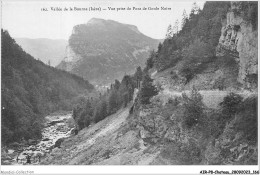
(104, 50)
(239, 37)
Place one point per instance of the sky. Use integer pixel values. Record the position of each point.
(26, 18)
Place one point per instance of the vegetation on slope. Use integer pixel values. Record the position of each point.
(93, 110)
(31, 89)
(194, 45)
(193, 48)
(188, 131)
(191, 133)
(185, 129)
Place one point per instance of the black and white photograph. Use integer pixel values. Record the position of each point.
(140, 84)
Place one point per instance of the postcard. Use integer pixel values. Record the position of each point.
(129, 87)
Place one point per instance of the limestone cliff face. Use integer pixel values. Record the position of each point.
(70, 61)
(104, 50)
(240, 39)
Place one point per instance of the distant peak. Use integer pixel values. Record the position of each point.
(99, 21)
(95, 20)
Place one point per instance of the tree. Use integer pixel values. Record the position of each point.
(176, 27)
(97, 113)
(103, 110)
(126, 90)
(184, 18)
(138, 76)
(148, 90)
(194, 56)
(138, 73)
(193, 108)
(195, 9)
(159, 47)
(100, 111)
(230, 105)
(169, 32)
(112, 102)
(117, 84)
(150, 60)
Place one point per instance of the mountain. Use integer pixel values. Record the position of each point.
(104, 50)
(31, 89)
(46, 50)
(205, 112)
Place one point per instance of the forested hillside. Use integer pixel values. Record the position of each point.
(195, 42)
(93, 110)
(196, 51)
(30, 89)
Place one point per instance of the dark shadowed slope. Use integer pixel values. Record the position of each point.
(31, 89)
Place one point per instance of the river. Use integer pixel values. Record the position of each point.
(56, 127)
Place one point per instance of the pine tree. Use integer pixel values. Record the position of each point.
(96, 115)
(159, 47)
(195, 9)
(103, 110)
(176, 27)
(100, 111)
(138, 76)
(147, 90)
(139, 73)
(169, 32)
(184, 18)
(112, 102)
(150, 60)
(117, 84)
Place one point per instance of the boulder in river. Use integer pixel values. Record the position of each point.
(10, 151)
(46, 139)
(58, 142)
(54, 122)
(74, 131)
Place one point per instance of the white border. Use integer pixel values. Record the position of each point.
(92, 169)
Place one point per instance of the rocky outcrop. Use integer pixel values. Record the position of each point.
(240, 40)
(231, 148)
(104, 50)
(70, 60)
(58, 142)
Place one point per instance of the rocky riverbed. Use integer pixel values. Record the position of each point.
(57, 127)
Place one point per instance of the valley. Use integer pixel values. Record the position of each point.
(190, 99)
(116, 140)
